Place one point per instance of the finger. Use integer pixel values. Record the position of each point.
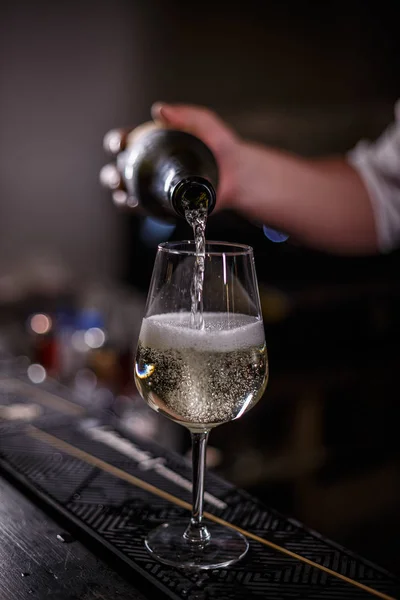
(110, 177)
(115, 141)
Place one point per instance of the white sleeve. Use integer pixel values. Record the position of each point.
(378, 165)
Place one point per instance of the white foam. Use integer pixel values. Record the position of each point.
(222, 332)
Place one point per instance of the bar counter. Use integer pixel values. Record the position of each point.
(78, 496)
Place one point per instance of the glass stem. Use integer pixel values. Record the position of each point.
(196, 531)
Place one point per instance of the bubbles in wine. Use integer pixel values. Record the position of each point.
(201, 377)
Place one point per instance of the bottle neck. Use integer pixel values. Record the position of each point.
(192, 193)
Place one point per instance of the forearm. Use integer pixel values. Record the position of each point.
(322, 203)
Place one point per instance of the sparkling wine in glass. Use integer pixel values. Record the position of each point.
(201, 377)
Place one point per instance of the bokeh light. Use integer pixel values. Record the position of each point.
(94, 337)
(36, 373)
(40, 323)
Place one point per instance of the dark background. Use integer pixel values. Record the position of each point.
(311, 77)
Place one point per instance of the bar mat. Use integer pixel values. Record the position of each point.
(117, 489)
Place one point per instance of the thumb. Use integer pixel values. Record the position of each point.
(193, 119)
(163, 113)
(177, 115)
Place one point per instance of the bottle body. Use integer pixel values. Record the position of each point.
(163, 171)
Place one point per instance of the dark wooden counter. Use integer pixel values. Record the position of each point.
(34, 564)
(109, 488)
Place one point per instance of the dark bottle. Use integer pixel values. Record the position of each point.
(163, 171)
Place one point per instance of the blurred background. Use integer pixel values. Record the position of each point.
(323, 444)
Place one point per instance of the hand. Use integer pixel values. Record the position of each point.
(217, 135)
(322, 203)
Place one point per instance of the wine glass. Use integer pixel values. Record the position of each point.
(201, 377)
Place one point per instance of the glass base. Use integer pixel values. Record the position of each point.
(168, 545)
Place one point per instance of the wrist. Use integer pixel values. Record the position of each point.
(241, 172)
(254, 177)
